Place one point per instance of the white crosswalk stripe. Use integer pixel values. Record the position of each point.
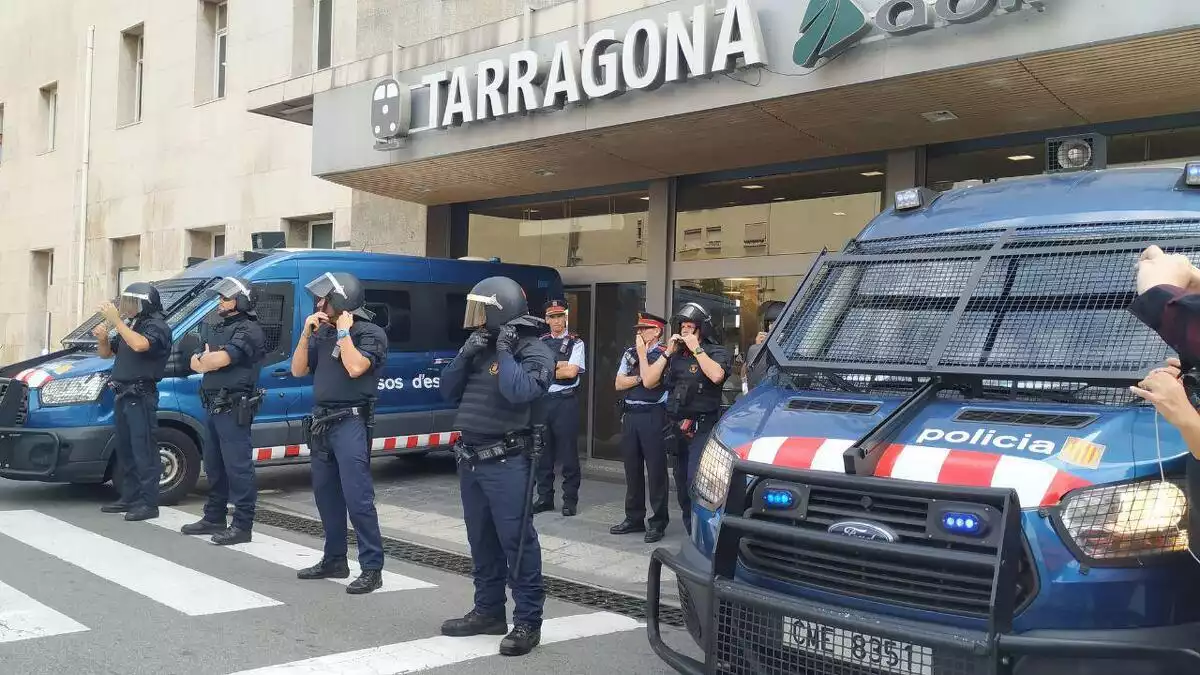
(287, 554)
(23, 618)
(163, 581)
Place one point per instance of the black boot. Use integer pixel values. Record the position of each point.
(475, 623)
(366, 582)
(203, 527)
(521, 640)
(541, 506)
(328, 568)
(231, 536)
(142, 513)
(569, 510)
(627, 526)
(115, 507)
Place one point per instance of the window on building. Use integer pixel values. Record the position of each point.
(126, 260)
(205, 243)
(1, 132)
(220, 49)
(131, 76)
(49, 115)
(218, 245)
(320, 234)
(603, 230)
(41, 279)
(322, 31)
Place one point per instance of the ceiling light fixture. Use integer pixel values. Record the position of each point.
(939, 116)
(872, 174)
(645, 199)
(1021, 158)
(752, 187)
(544, 172)
(779, 199)
(839, 213)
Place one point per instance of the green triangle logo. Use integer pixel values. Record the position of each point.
(829, 28)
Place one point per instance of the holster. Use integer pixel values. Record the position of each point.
(122, 390)
(316, 430)
(538, 442)
(248, 407)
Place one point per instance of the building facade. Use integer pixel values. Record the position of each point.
(660, 151)
(175, 167)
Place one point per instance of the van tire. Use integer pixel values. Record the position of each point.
(179, 456)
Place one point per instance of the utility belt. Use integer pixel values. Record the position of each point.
(565, 393)
(316, 427)
(628, 408)
(245, 403)
(681, 429)
(524, 441)
(133, 388)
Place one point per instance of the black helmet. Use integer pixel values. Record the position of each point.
(693, 313)
(770, 311)
(240, 290)
(140, 298)
(497, 301)
(343, 291)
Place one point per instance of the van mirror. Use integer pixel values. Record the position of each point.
(180, 362)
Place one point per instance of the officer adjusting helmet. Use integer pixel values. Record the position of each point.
(239, 290)
(498, 301)
(342, 292)
(139, 298)
(770, 314)
(695, 314)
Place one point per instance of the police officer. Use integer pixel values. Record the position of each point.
(495, 378)
(233, 347)
(770, 312)
(696, 371)
(345, 353)
(559, 411)
(142, 345)
(643, 417)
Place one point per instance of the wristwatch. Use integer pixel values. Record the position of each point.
(342, 332)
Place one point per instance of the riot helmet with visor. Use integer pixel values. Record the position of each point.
(139, 298)
(343, 292)
(497, 301)
(240, 291)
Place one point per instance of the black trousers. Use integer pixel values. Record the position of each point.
(644, 454)
(137, 451)
(560, 414)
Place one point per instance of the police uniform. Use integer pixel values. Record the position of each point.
(559, 411)
(495, 379)
(643, 418)
(339, 438)
(693, 402)
(134, 381)
(231, 397)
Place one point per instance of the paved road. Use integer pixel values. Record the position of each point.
(86, 592)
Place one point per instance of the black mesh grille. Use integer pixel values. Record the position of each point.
(954, 584)
(756, 641)
(1024, 418)
(833, 406)
(270, 318)
(180, 297)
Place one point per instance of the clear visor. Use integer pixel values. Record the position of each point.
(476, 314)
(131, 304)
(230, 288)
(324, 285)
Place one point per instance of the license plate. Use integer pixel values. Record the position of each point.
(884, 654)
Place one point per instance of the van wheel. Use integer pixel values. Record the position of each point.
(180, 465)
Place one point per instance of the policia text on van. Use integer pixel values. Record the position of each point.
(56, 412)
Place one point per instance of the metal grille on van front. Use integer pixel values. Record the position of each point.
(1027, 308)
(833, 406)
(1031, 236)
(1025, 418)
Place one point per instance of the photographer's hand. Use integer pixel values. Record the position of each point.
(1156, 268)
(1163, 389)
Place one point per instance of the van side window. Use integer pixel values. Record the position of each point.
(453, 335)
(275, 300)
(392, 306)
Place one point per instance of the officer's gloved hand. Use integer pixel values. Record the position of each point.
(476, 343)
(507, 339)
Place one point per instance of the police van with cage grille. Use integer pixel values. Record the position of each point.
(56, 411)
(941, 469)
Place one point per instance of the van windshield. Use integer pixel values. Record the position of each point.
(180, 297)
(1042, 313)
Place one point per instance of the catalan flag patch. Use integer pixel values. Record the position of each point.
(1081, 453)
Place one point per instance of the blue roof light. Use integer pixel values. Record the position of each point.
(778, 499)
(964, 524)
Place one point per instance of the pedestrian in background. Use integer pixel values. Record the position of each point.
(142, 346)
(345, 353)
(643, 418)
(559, 411)
(233, 347)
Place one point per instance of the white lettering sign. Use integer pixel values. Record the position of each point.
(987, 437)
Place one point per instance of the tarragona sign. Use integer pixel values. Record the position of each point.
(648, 55)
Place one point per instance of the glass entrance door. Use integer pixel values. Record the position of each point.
(579, 322)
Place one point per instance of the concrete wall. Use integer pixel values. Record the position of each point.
(191, 163)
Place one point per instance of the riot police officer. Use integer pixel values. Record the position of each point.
(643, 417)
(495, 378)
(696, 372)
(559, 411)
(345, 353)
(233, 345)
(142, 345)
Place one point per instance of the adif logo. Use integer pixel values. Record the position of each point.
(829, 27)
(988, 437)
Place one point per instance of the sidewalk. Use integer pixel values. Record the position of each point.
(418, 501)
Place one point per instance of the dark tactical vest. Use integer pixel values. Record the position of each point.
(640, 392)
(131, 366)
(562, 348)
(690, 390)
(218, 335)
(484, 415)
(332, 385)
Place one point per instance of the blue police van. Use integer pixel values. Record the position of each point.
(56, 411)
(940, 469)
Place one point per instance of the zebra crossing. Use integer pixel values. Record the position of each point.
(151, 561)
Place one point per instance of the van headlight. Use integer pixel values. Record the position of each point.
(711, 483)
(1118, 523)
(73, 390)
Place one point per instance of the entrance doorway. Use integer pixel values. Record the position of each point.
(579, 322)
